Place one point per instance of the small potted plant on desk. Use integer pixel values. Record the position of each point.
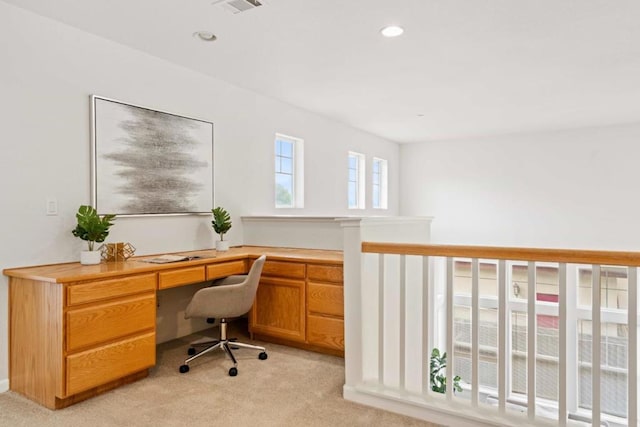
(221, 224)
(92, 228)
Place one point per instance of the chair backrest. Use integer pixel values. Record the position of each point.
(227, 301)
(253, 277)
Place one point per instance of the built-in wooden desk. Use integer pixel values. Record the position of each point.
(76, 331)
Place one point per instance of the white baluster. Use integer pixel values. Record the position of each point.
(402, 327)
(449, 308)
(503, 316)
(596, 333)
(532, 330)
(381, 319)
(562, 374)
(427, 321)
(571, 341)
(475, 331)
(632, 321)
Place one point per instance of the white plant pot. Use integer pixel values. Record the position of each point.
(222, 245)
(90, 257)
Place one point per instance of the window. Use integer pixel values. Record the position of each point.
(289, 172)
(379, 182)
(614, 333)
(355, 189)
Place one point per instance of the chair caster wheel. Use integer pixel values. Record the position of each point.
(191, 351)
(184, 369)
(233, 372)
(263, 356)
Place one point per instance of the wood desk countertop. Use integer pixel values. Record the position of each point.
(74, 271)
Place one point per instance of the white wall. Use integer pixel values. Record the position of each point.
(569, 189)
(47, 73)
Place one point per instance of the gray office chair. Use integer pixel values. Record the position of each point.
(229, 297)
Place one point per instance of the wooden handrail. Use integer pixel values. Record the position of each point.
(574, 256)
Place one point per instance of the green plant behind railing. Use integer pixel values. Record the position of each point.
(438, 379)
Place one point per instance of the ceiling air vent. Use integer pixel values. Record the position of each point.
(237, 6)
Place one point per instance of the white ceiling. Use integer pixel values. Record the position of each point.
(463, 68)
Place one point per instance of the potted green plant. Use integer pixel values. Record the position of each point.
(221, 224)
(92, 228)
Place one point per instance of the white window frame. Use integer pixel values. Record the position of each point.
(297, 194)
(379, 183)
(359, 182)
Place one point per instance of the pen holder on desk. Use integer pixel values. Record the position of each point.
(117, 251)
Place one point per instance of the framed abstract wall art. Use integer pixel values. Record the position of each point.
(149, 162)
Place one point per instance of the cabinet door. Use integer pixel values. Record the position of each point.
(279, 309)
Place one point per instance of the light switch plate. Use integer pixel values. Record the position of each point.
(52, 206)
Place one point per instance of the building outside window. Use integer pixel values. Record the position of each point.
(289, 172)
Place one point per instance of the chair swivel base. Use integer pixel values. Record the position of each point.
(225, 345)
(192, 350)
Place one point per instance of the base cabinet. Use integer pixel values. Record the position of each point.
(80, 337)
(325, 306)
(279, 309)
(300, 304)
(76, 331)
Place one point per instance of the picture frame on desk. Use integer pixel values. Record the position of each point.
(149, 162)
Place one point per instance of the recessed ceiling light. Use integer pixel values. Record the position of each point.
(392, 31)
(205, 36)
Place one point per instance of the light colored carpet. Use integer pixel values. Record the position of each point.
(291, 388)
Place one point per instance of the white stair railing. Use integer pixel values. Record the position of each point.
(407, 308)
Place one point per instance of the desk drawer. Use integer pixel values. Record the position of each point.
(112, 288)
(105, 322)
(293, 270)
(99, 366)
(224, 269)
(181, 276)
(325, 299)
(325, 331)
(325, 273)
